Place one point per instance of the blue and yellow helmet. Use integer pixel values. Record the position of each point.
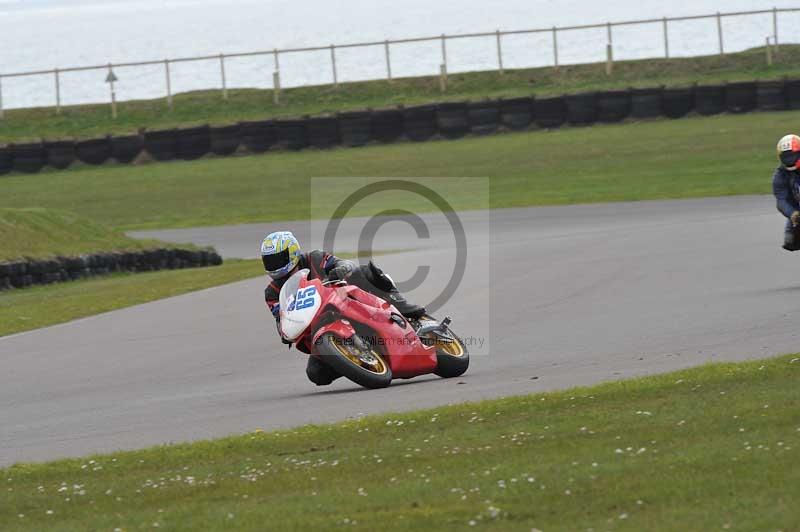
(280, 253)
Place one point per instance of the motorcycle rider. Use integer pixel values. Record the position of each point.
(281, 256)
(786, 188)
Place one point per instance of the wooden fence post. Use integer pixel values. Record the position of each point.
(222, 73)
(555, 47)
(499, 53)
(169, 83)
(388, 61)
(58, 90)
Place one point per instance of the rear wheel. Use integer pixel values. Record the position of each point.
(354, 359)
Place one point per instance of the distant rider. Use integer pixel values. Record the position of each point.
(786, 188)
(281, 255)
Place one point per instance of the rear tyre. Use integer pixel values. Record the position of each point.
(354, 359)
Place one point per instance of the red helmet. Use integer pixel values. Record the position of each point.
(789, 152)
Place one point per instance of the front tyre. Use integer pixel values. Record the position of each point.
(452, 356)
(354, 359)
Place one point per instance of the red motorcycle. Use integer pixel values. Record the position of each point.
(363, 337)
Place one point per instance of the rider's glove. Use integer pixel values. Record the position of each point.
(795, 218)
(342, 271)
(283, 340)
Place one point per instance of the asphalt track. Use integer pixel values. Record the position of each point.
(577, 295)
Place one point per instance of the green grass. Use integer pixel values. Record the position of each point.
(209, 107)
(709, 448)
(41, 306)
(38, 232)
(693, 157)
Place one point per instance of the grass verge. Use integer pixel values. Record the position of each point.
(708, 448)
(41, 306)
(37, 233)
(251, 104)
(693, 157)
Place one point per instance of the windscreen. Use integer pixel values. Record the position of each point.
(289, 289)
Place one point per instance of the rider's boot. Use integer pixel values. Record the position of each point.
(384, 287)
(790, 241)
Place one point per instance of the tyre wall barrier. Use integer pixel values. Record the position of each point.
(93, 151)
(771, 96)
(677, 103)
(291, 134)
(126, 148)
(355, 128)
(709, 99)
(740, 97)
(646, 103)
(60, 154)
(420, 122)
(387, 125)
(28, 158)
(613, 106)
(160, 144)
(516, 113)
(452, 119)
(192, 143)
(225, 140)
(321, 132)
(581, 108)
(549, 113)
(259, 136)
(6, 160)
(484, 117)
(29, 272)
(416, 123)
(791, 89)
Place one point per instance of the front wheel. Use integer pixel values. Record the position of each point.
(354, 359)
(452, 356)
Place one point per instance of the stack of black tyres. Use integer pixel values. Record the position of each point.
(613, 106)
(292, 134)
(6, 160)
(420, 122)
(581, 108)
(677, 102)
(193, 142)
(60, 153)
(550, 113)
(709, 99)
(452, 120)
(161, 144)
(225, 140)
(127, 148)
(355, 128)
(516, 113)
(28, 158)
(484, 117)
(258, 136)
(386, 125)
(646, 103)
(93, 151)
(791, 90)
(322, 132)
(740, 97)
(771, 96)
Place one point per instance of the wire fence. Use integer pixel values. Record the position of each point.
(220, 63)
